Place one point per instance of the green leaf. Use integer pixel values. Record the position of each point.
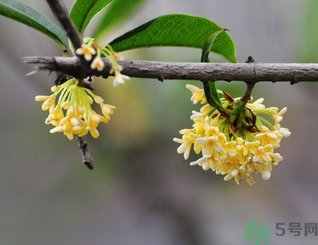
(208, 44)
(177, 30)
(83, 12)
(210, 89)
(215, 102)
(30, 17)
(112, 16)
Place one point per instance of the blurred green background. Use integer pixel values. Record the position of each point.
(141, 191)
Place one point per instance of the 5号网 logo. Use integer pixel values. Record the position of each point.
(259, 233)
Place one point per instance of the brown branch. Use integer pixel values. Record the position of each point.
(59, 10)
(248, 92)
(255, 72)
(87, 159)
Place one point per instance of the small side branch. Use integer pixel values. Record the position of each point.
(258, 72)
(87, 159)
(61, 13)
(248, 92)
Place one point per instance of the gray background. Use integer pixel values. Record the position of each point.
(141, 191)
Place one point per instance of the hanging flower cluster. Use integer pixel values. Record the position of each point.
(69, 106)
(70, 109)
(236, 144)
(92, 50)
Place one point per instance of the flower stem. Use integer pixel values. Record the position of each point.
(248, 91)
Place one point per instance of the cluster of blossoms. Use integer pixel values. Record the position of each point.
(91, 50)
(71, 111)
(69, 106)
(229, 145)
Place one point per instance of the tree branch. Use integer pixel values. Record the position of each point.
(61, 13)
(248, 72)
(86, 157)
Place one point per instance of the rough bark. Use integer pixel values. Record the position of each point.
(248, 72)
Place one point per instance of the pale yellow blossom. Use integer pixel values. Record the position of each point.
(87, 51)
(197, 94)
(98, 64)
(119, 79)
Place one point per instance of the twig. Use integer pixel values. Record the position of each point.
(61, 13)
(87, 159)
(248, 92)
(256, 72)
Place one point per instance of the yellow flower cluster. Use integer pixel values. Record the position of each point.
(72, 113)
(228, 149)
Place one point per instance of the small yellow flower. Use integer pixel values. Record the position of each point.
(119, 79)
(210, 145)
(229, 150)
(87, 51)
(49, 102)
(197, 94)
(251, 147)
(267, 136)
(107, 110)
(261, 154)
(186, 144)
(207, 162)
(97, 64)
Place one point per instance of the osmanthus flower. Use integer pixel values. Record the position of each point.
(94, 53)
(87, 51)
(70, 109)
(237, 143)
